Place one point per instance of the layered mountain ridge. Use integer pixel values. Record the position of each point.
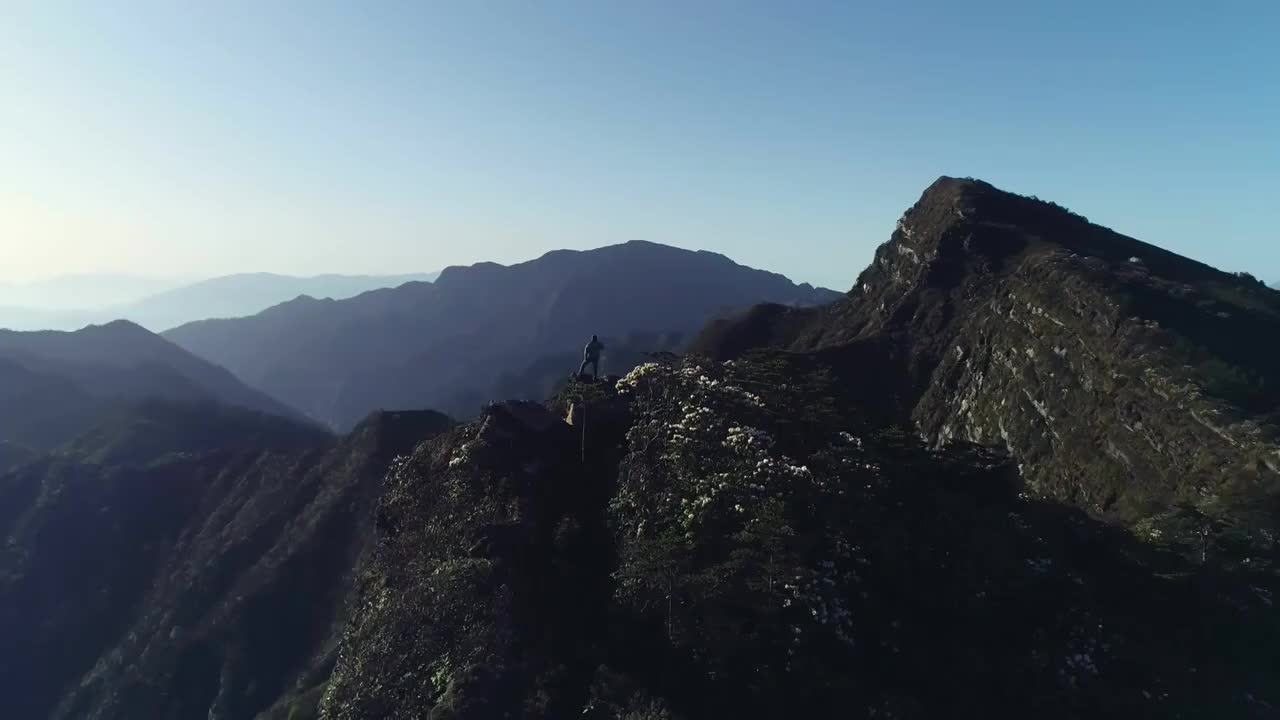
(56, 385)
(446, 344)
(71, 303)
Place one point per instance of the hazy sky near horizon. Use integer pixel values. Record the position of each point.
(196, 139)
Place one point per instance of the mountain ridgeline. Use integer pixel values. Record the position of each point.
(1026, 467)
(447, 344)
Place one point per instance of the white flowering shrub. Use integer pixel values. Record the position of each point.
(732, 540)
(763, 531)
(729, 472)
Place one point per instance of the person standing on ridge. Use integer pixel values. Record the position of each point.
(591, 356)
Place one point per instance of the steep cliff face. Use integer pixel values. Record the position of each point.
(1124, 378)
(209, 579)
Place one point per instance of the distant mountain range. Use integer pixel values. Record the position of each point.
(78, 292)
(56, 385)
(76, 301)
(444, 345)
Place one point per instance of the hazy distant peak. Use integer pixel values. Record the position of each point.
(630, 249)
(120, 326)
(84, 291)
(110, 329)
(453, 272)
(63, 307)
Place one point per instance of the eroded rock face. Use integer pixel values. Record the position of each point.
(479, 328)
(1103, 407)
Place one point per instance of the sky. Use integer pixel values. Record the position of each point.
(196, 139)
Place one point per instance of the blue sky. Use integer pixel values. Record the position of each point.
(166, 139)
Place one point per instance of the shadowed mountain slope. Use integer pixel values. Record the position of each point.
(56, 385)
(186, 561)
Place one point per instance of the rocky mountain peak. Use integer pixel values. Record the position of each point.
(967, 226)
(1014, 322)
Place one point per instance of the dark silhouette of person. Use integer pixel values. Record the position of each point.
(591, 356)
